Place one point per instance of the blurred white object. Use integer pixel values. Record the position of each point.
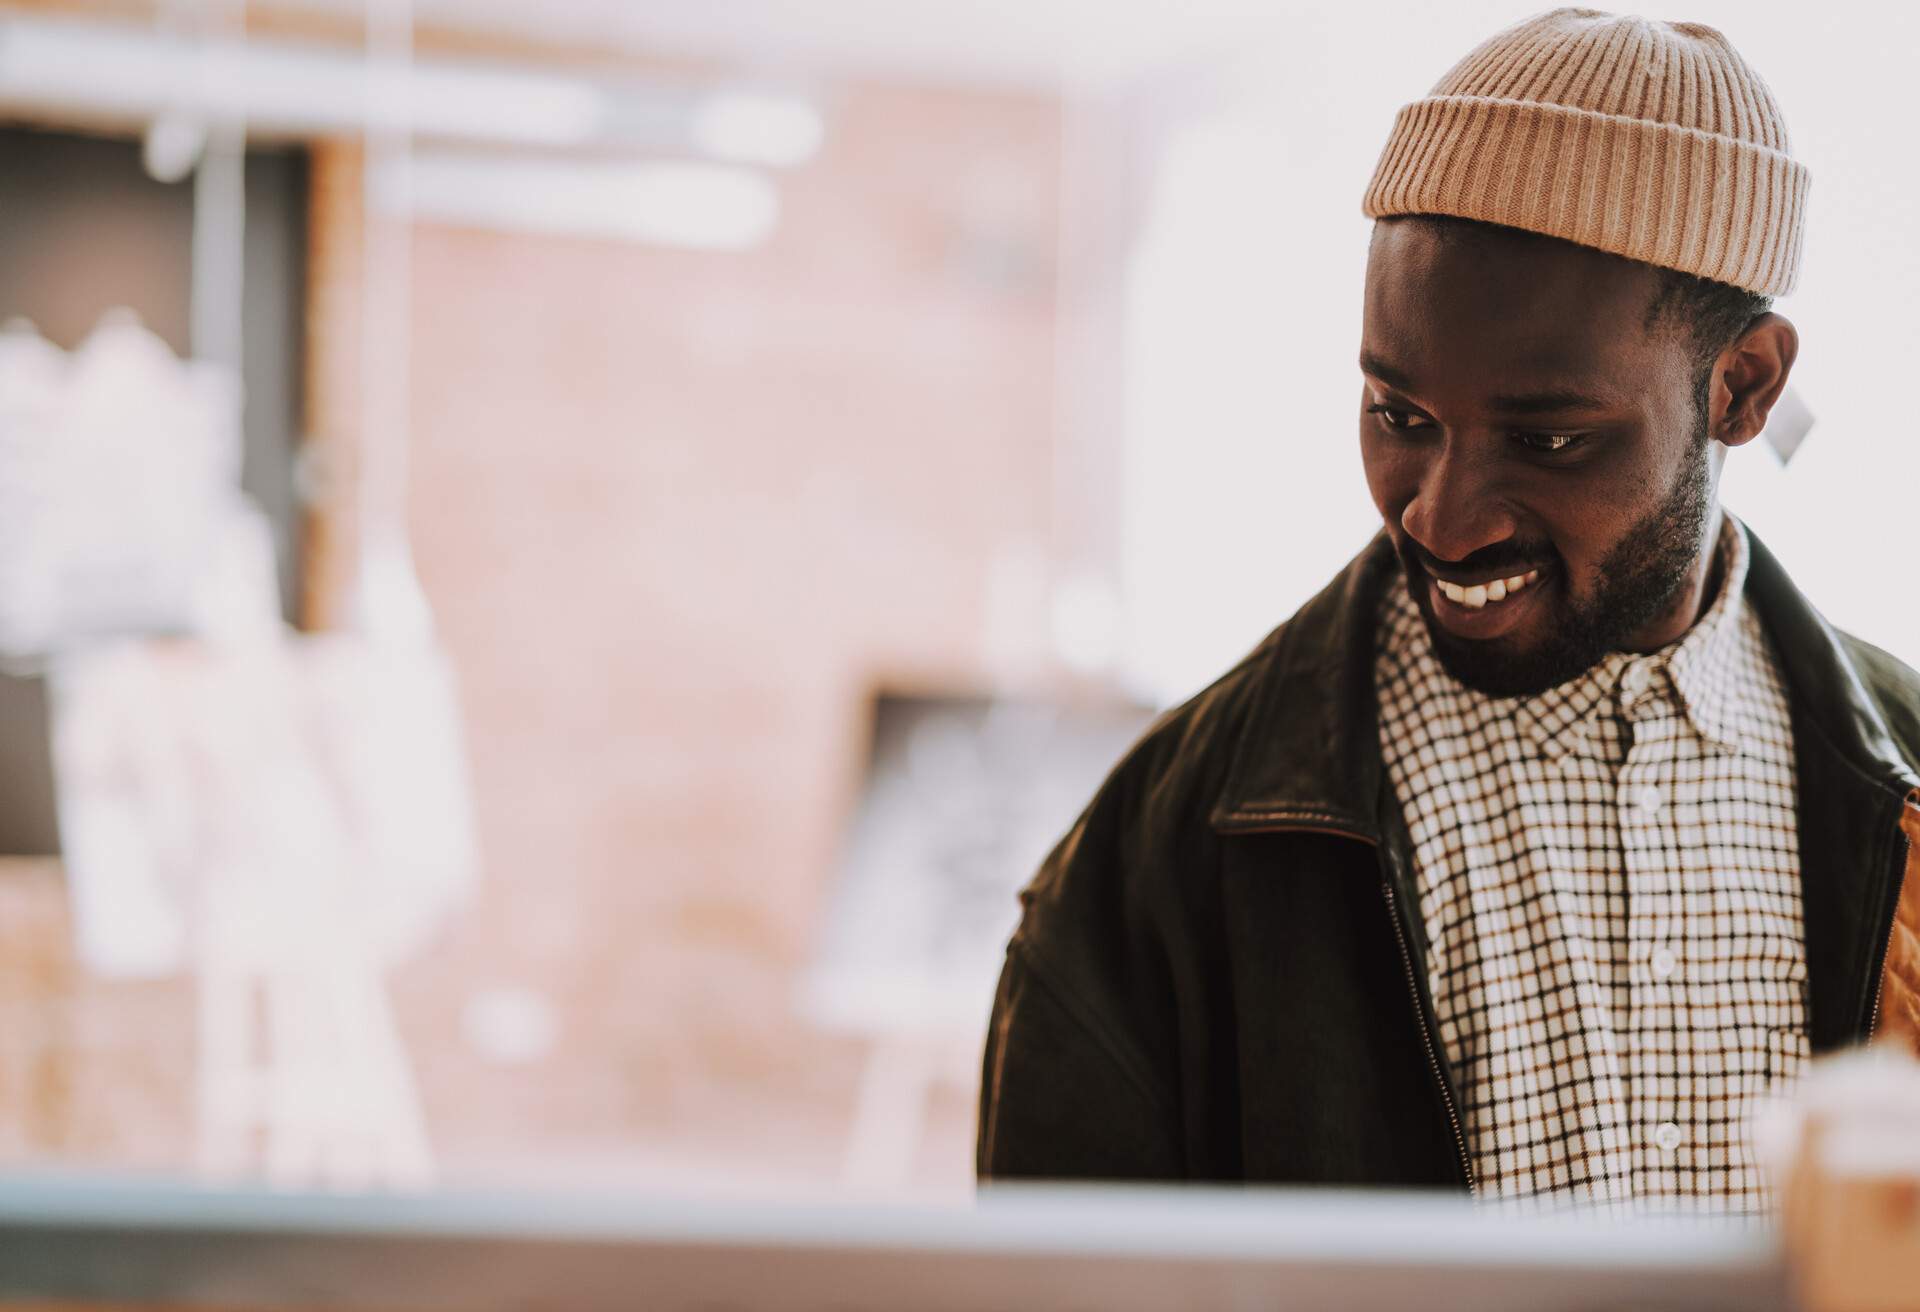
(288, 817)
(119, 487)
(1788, 425)
(172, 146)
(170, 757)
(1845, 1151)
(510, 1025)
(32, 383)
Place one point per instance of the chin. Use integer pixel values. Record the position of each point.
(1515, 665)
(1503, 674)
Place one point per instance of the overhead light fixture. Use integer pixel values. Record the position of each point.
(107, 73)
(114, 75)
(693, 206)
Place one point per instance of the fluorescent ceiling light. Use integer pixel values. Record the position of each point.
(116, 74)
(104, 71)
(694, 206)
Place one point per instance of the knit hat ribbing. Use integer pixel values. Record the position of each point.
(1651, 140)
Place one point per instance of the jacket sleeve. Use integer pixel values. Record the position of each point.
(1060, 1097)
(1085, 1070)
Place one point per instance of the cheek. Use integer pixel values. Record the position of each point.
(1391, 477)
(1588, 526)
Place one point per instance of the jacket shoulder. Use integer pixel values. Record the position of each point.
(1188, 749)
(1895, 688)
(1082, 1067)
(1147, 841)
(1119, 876)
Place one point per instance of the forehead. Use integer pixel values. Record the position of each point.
(1470, 304)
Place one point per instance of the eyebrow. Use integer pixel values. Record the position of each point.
(1373, 366)
(1548, 401)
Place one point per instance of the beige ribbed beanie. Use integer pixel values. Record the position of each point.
(1651, 140)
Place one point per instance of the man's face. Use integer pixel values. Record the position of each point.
(1519, 421)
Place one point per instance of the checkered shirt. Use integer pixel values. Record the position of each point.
(1609, 880)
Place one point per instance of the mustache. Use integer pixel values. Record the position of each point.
(1500, 558)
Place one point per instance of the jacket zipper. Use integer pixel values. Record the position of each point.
(1413, 991)
(1426, 1038)
(1876, 979)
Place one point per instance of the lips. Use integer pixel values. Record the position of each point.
(1487, 608)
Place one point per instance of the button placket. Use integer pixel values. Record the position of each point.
(1651, 963)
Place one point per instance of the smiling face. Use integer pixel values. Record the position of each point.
(1535, 449)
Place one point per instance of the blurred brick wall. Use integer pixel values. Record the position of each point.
(676, 512)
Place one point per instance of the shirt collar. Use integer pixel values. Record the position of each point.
(1701, 669)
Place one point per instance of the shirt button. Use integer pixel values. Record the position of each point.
(1647, 799)
(1663, 962)
(1666, 1136)
(1635, 680)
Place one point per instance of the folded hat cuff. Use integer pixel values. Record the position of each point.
(1673, 196)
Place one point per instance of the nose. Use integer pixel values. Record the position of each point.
(1457, 507)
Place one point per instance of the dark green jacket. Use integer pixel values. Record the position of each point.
(1220, 972)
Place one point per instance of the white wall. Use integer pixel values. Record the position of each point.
(1243, 488)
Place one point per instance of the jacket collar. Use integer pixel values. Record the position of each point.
(1827, 687)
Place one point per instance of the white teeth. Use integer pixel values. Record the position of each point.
(1477, 596)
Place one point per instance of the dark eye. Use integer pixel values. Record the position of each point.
(1550, 443)
(1393, 418)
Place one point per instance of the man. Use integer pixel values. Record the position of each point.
(1560, 825)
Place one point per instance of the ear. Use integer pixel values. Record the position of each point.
(1749, 377)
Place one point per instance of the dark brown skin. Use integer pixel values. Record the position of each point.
(1479, 346)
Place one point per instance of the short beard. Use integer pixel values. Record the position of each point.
(1639, 579)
